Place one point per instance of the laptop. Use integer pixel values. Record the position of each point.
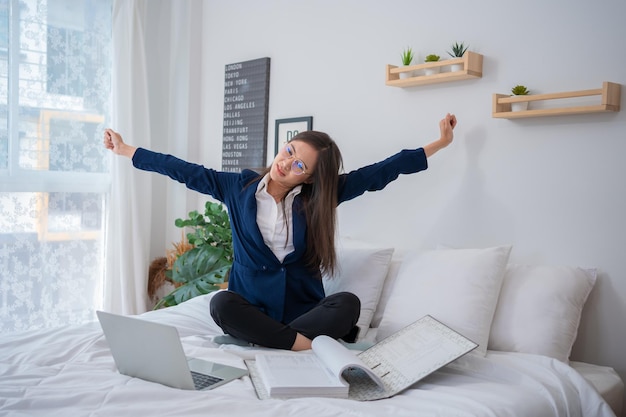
(153, 352)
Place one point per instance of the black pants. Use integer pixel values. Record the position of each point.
(334, 316)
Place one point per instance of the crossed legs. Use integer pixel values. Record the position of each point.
(334, 316)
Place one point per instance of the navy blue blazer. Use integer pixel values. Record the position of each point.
(284, 290)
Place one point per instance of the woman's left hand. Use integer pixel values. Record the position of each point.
(446, 127)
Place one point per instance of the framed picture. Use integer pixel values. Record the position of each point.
(286, 129)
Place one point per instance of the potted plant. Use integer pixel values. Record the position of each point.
(205, 258)
(519, 90)
(407, 57)
(432, 58)
(457, 50)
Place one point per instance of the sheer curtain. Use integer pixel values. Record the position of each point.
(128, 223)
(156, 105)
(55, 84)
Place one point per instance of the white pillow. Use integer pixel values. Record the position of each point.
(394, 266)
(190, 318)
(458, 287)
(361, 270)
(539, 309)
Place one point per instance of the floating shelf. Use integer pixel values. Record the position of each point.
(610, 101)
(471, 62)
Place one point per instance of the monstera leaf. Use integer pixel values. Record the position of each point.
(199, 270)
(196, 272)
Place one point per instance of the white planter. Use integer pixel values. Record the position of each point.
(521, 106)
(432, 71)
(407, 74)
(456, 67)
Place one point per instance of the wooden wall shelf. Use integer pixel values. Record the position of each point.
(471, 62)
(610, 101)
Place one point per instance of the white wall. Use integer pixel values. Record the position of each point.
(552, 187)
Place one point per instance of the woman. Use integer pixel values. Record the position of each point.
(283, 224)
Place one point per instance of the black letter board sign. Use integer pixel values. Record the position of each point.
(246, 99)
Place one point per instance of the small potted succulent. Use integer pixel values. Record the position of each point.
(457, 50)
(519, 90)
(432, 58)
(407, 57)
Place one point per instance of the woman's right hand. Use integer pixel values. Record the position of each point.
(114, 142)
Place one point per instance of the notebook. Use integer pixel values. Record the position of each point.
(153, 352)
(382, 371)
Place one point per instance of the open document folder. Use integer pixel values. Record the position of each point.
(385, 369)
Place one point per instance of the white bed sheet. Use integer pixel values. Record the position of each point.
(69, 372)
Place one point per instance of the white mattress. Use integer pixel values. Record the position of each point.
(606, 381)
(69, 372)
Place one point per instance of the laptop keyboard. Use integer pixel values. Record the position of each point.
(202, 381)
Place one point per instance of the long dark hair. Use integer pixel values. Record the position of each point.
(319, 201)
(319, 196)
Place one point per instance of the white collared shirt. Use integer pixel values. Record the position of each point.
(270, 217)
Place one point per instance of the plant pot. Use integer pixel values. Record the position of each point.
(456, 67)
(432, 71)
(521, 106)
(408, 74)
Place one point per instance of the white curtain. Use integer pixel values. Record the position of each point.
(156, 75)
(55, 87)
(128, 220)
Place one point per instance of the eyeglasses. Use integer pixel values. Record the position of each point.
(297, 166)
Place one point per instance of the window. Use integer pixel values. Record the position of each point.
(55, 84)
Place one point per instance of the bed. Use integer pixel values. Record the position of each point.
(524, 317)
